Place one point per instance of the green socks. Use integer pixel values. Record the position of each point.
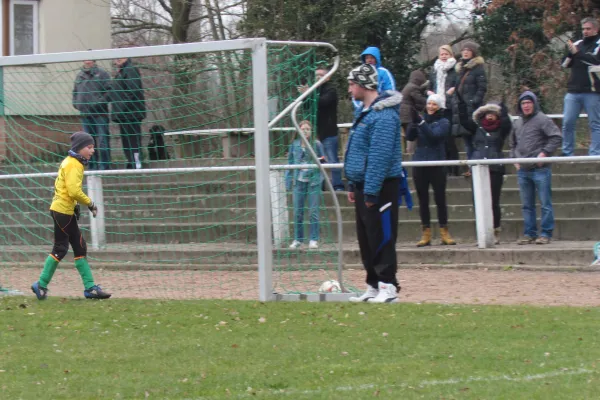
(82, 267)
(48, 271)
(85, 271)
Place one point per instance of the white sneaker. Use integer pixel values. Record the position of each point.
(387, 294)
(313, 244)
(295, 245)
(371, 293)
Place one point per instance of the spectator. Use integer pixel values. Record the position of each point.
(441, 81)
(374, 186)
(534, 136)
(431, 132)
(583, 87)
(413, 97)
(91, 95)
(327, 129)
(470, 88)
(385, 79)
(129, 109)
(306, 184)
(493, 127)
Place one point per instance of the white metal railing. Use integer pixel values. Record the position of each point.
(481, 185)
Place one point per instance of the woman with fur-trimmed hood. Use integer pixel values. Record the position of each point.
(470, 90)
(493, 126)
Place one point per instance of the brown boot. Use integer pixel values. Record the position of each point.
(445, 236)
(426, 238)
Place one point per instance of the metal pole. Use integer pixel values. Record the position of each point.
(336, 203)
(260, 86)
(482, 195)
(97, 225)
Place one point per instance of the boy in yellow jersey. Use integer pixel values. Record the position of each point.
(65, 213)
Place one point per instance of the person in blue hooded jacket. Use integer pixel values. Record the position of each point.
(372, 165)
(385, 79)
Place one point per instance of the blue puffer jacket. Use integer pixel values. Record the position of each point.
(299, 155)
(374, 153)
(431, 136)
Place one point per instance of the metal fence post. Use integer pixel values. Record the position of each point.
(279, 208)
(97, 225)
(484, 218)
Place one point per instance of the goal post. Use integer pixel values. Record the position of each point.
(196, 224)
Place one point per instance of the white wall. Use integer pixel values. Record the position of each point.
(72, 25)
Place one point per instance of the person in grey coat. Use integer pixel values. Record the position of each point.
(535, 136)
(91, 95)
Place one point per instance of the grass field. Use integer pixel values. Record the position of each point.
(137, 349)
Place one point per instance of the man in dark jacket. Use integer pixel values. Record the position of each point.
(91, 94)
(327, 129)
(583, 89)
(535, 136)
(373, 167)
(129, 109)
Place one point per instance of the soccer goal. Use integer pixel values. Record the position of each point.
(208, 214)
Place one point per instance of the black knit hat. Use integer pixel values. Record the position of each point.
(79, 140)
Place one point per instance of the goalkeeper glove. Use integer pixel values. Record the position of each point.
(93, 209)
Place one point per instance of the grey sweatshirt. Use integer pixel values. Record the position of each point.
(534, 134)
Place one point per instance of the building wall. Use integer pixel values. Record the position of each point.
(74, 25)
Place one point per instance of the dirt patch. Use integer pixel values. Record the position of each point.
(418, 286)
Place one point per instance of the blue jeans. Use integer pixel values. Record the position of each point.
(97, 126)
(469, 148)
(302, 190)
(539, 179)
(330, 145)
(574, 102)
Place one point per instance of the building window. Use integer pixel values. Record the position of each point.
(24, 27)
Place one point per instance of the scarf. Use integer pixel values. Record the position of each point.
(78, 157)
(490, 126)
(441, 69)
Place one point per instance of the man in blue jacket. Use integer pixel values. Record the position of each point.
(385, 79)
(373, 168)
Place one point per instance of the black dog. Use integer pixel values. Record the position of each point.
(156, 147)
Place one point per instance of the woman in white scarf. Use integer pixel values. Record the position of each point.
(442, 81)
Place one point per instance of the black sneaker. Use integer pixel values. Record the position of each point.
(96, 292)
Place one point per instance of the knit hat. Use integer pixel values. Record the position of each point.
(365, 76)
(437, 99)
(79, 140)
(474, 47)
(448, 48)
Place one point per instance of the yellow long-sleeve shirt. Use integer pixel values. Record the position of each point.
(67, 187)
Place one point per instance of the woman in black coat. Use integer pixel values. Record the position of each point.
(430, 133)
(492, 127)
(469, 90)
(129, 109)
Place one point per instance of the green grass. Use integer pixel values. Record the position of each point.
(74, 349)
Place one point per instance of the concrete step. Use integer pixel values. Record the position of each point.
(240, 255)
(189, 199)
(215, 232)
(248, 214)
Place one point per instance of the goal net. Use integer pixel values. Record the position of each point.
(172, 233)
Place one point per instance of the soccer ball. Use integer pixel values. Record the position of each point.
(330, 286)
